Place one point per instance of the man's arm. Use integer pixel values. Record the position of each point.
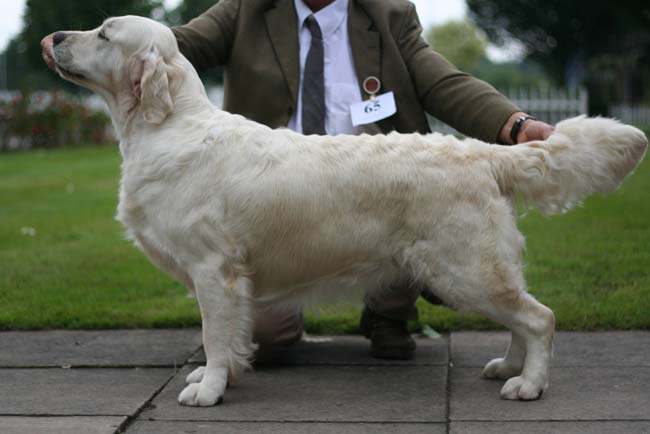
(206, 41)
(466, 103)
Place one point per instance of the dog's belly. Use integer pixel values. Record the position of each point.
(290, 270)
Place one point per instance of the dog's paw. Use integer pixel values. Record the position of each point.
(501, 369)
(196, 375)
(522, 389)
(200, 395)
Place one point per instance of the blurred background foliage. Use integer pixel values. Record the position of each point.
(51, 120)
(461, 42)
(600, 44)
(187, 10)
(465, 45)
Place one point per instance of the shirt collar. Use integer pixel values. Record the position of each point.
(330, 18)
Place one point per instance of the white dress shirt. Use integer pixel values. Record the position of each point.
(341, 82)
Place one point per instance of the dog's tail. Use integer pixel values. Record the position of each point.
(583, 156)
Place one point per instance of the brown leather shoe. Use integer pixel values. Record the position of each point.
(389, 338)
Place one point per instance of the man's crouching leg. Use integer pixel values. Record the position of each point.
(276, 328)
(385, 321)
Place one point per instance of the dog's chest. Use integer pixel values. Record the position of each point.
(146, 211)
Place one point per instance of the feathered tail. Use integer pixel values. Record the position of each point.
(583, 156)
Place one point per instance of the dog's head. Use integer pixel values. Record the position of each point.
(129, 60)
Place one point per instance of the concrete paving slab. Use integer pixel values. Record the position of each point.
(60, 425)
(319, 394)
(97, 392)
(106, 348)
(283, 428)
(349, 350)
(575, 394)
(632, 348)
(599, 427)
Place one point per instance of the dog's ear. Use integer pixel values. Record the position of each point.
(150, 82)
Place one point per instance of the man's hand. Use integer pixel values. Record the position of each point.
(530, 130)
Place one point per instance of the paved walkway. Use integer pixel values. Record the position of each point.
(84, 382)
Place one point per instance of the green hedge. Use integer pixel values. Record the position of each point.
(50, 120)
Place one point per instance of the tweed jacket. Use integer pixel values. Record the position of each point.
(257, 43)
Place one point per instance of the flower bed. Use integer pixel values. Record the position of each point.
(51, 120)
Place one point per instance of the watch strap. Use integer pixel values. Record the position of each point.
(516, 127)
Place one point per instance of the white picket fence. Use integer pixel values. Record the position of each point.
(633, 115)
(550, 105)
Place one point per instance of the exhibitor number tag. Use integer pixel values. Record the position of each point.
(373, 110)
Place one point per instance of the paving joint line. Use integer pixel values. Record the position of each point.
(132, 418)
(313, 421)
(450, 365)
(571, 366)
(44, 415)
(548, 420)
(71, 367)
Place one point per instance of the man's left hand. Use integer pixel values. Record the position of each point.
(531, 130)
(534, 130)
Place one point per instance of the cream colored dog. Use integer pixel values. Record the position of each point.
(244, 214)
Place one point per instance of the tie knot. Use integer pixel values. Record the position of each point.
(313, 27)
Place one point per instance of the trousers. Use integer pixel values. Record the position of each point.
(281, 326)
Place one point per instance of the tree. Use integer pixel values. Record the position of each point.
(20, 73)
(187, 10)
(465, 45)
(508, 76)
(589, 42)
(461, 42)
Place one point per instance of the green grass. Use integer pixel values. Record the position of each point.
(64, 263)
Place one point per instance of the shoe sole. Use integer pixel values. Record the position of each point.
(392, 354)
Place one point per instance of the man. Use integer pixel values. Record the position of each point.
(302, 64)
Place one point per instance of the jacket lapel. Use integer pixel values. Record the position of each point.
(282, 25)
(365, 43)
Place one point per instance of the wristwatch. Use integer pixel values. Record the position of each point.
(516, 127)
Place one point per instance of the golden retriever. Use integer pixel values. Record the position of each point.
(244, 214)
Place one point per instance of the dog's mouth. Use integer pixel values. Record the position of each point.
(50, 59)
(66, 73)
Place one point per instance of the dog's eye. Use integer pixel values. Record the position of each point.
(102, 35)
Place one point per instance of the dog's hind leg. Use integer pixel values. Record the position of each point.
(511, 365)
(480, 269)
(196, 375)
(503, 298)
(532, 324)
(223, 295)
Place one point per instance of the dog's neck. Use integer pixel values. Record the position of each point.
(190, 102)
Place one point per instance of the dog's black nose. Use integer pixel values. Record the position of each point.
(58, 38)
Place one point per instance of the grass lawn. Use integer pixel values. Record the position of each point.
(64, 263)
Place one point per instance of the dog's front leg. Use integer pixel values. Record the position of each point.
(225, 304)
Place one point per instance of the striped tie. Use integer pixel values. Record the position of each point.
(313, 84)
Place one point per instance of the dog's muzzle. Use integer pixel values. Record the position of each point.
(47, 46)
